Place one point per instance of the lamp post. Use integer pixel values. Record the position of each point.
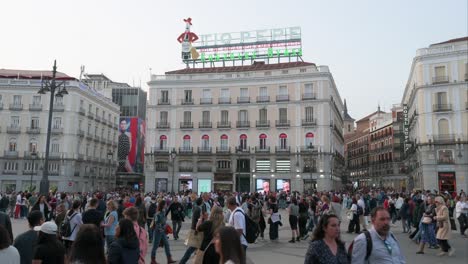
(110, 154)
(50, 85)
(172, 156)
(33, 156)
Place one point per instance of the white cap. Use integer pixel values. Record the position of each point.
(47, 227)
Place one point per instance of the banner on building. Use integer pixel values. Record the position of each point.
(131, 148)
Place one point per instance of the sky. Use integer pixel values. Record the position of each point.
(368, 45)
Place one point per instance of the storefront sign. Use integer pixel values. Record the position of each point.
(406, 127)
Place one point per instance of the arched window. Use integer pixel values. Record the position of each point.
(283, 138)
(443, 128)
(12, 145)
(243, 142)
(33, 145)
(309, 140)
(163, 142)
(263, 143)
(205, 142)
(186, 142)
(55, 146)
(224, 142)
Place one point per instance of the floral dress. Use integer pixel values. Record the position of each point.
(320, 253)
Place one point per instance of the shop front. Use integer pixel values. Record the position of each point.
(447, 181)
(222, 182)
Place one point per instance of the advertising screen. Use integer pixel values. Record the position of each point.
(283, 185)
(204, 185)
(161, 185)
(262, 186)
(131, 152)
(185, 185)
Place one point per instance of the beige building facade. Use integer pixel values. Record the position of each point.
(436, 99)
(245, 128)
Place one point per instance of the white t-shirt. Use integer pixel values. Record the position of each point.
(75, 221)
(237, 220)
(10, 255)
(361, 203)
(354, 208)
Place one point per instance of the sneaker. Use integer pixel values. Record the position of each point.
(441, 254)
(298, 239)
(451, 252)
(420, 252)
(292, 241)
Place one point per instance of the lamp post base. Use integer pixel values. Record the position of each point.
(44, 187)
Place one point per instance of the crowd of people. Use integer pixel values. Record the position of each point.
(124, 225)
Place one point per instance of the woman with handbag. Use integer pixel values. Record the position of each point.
(443, 224)
(160, 233)
(207, 254)
(427, 227)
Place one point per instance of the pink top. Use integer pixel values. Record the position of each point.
(143, 239)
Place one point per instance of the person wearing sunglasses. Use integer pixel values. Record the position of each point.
(384, 247)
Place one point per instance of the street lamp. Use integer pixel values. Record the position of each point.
(33, 156)
(172, 156)
(110, 154)
(50, 85)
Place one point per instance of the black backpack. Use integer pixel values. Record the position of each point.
(152, 210)
(359, 211)
(65, 227)
(252, 230)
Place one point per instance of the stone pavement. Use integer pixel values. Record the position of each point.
(268, 252)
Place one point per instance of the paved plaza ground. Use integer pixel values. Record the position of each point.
(267, 252)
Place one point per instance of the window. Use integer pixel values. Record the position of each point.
(35, 122)
(11, 166)
(188, 95)
(262, 141)
(163, 142)
(206, 93)
(263, 92)
(243, 115)
(441, 98)
(81, 103)
(224, 142)
(57, 122)
(244, 92)
(262, 115)
(164, 96)
(33, 145)
(1, 99)
(12, 145)
(96, 131)
(243, 142)
(36, 100)
(224, 164)
(308, 88)
(89, 129)
(283, 90)
(17, 99)
(58, 100)
(443, 128)
(163, 117)
(309, 113)
(309, 140)
(15, 122)
(445, 156)
(187, 117)
(90, 108)
(225, 93)
(224, 116)
(55, 146)
(87, 149)
(283, 138)
(439, 71)
(186, 142)
(205, 117)
(205, 142)
(97, 111)
(283, 115)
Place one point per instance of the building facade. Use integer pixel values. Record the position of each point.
(258, 127)
(436, 117)
(132, 127)
(84, 132)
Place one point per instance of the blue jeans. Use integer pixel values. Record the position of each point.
(109, 240)
(188, 253)
(158, 236)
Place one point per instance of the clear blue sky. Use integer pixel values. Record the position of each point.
(368, 45)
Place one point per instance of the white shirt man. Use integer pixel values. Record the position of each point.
(399, 203)
(237, 220)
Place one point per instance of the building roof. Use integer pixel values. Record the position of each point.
(256, 66)
(26, 74)
(347, 117)
(451, 41)
(369, 116)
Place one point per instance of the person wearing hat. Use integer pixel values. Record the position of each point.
(443, 224)
(48, 249)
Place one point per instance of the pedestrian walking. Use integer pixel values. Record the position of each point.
(461, 213)
(228, 246)
(194, 238)
(326, 246)
(74, 219)
(110, 223)
(443, 224)
(160, 234)
(125, 249)
(293, 211)
(207, 254)
(87, 248)
(131, 213)
(274, 220)
(43, 206)
(177, 216)
(354, 221)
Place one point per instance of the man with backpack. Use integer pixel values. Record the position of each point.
(377, 245)
(150, 216)
(237, 220)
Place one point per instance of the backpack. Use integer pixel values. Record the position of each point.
(152, 210)
(368, 245)
(65, 227)
(252, 230)
(359, 210)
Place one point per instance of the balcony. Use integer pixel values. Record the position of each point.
(33, 130)
(82, 111)
(206, 100)
(224, 100)
(186, 101)
(204, 150)
(16, 107)
(55, 155)
(80, 133)
(205, 169)
(98, 119)
(243, 100)
(224, 124)
(89, 136)
(283, 123)
(186, 125)
(466, 105)
(309, 169)
(283, 149)
(262, 123)
(160, 150)
(441, 107)
(90, 115)
(56, 130)
(263, 99)
(205, 125)
(59, 107)
(308, 122)
(186, 169)
(164, 101)
(185, 150)
(309, 96)
(308, 149)
(282, 98)
(443, 160)
(13, 129)
(243, 150)
(97, 139)
(440, 79)
(10, 154)
(265, 149)
(162, 125)
(444, 138)
(223, 150)
(28, 155)
(243, 124)
(35, 107)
